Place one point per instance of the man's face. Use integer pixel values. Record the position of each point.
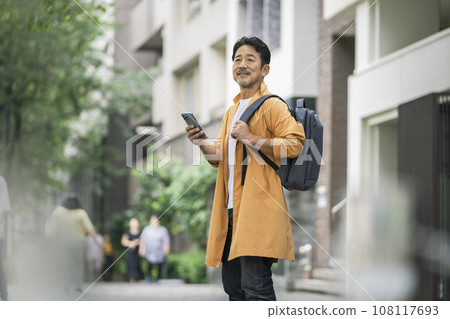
(154, 221)
(247, 70)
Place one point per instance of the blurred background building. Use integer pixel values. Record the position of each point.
(398, 136)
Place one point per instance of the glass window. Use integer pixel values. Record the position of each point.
(190, 92)
(264, 18)
(193, 7)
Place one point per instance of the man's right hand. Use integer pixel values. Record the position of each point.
(193, 134)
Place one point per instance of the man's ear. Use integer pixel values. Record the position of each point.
(265, 69)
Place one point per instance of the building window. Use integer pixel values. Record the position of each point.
(187, 81)
(264, 17)
(193, 8)
(190, 92)
(256, 18)
(272, 27)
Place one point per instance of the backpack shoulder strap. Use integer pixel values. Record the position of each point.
(245, 117)
(252, 108)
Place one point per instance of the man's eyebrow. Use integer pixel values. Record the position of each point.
(248, 55)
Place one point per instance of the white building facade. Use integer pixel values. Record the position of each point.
(398, 147)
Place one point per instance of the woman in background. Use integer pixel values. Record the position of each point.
(130, 239)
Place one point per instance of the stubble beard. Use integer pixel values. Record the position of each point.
(245, 83)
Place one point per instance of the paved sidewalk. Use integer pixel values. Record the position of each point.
(164, 291)
(177, 291)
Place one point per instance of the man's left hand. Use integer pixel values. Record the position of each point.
(240, 131)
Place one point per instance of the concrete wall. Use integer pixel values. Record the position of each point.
(399, 58)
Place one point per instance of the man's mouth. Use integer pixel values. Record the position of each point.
(243, 73)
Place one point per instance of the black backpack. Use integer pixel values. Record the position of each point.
(302, 172)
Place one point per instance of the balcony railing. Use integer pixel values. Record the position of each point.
(413, 71)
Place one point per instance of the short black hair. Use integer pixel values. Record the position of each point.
(259, 46)
(71, 202)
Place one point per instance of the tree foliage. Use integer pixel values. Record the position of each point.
(47, 76)
(52, 78)
(125, 93)
(181, 195)
(191, 192)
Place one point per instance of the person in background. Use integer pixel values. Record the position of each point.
(5, 206)
(154, 246)
(94, 256)
(108, 253)
(69, 224)
(130, 239)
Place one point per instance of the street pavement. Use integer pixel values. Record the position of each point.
(167, 290)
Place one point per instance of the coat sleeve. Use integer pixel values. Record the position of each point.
(289, 135)
(86, 221)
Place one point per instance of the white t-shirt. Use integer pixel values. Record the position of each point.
(231, 150)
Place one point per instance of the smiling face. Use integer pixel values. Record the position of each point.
(247, 69)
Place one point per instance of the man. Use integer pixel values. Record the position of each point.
(249, 224)
(154, 245)
(5, 206)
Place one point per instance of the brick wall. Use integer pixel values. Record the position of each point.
(334, 66)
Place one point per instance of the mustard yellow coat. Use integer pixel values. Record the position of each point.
(261, 224)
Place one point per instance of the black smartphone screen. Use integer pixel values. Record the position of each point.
(190, 119)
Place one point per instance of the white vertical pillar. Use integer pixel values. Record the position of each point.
(354, 158)
(233, 34)
(365, 34)
(201, 90)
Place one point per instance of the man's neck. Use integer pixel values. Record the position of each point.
(247, 93)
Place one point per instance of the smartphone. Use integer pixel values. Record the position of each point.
(190, 119)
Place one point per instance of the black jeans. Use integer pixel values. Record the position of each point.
(159, 267)
(246, 277)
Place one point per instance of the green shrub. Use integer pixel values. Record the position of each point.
(182, 196)
(189, 266)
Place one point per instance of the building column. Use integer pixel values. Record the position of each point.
(335, 65)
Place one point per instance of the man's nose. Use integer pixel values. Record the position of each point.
(242, 65)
